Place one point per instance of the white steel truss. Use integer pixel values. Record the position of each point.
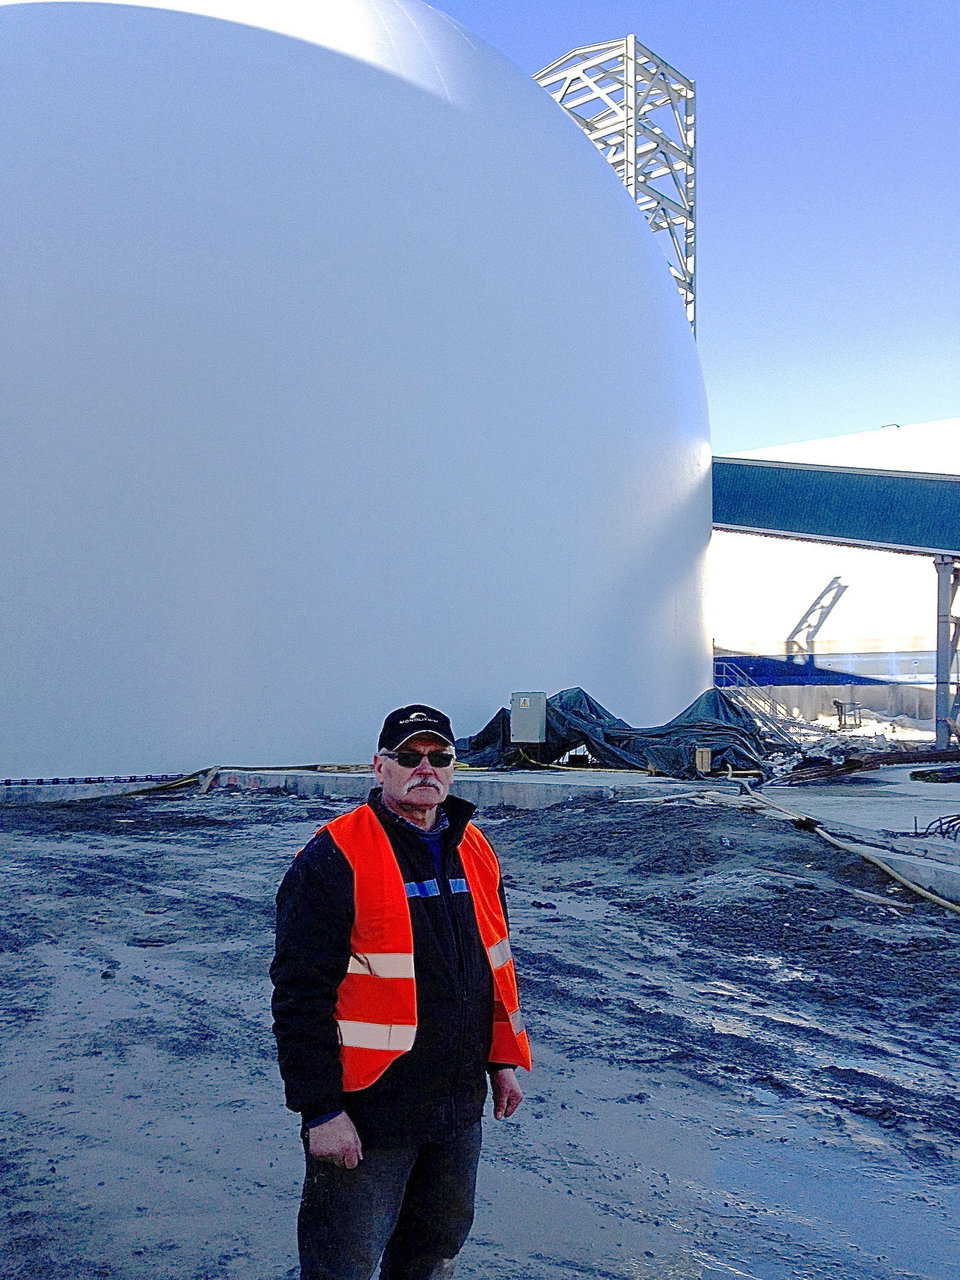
(641, 114)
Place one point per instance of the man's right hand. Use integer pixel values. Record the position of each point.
(336, 1141)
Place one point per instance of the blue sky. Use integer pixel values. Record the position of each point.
(829, 197)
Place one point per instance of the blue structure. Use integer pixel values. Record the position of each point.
(909, 512)
(773, 671)
(884, 510)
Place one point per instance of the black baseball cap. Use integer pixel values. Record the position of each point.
(409, 722)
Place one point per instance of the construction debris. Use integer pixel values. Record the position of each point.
(817, 766)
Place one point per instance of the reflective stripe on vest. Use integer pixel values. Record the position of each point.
(422, 889)
(376, 1035)
(510, 1042)
(384, 964)
(376, 1010)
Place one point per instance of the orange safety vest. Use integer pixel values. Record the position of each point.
(376, 1010)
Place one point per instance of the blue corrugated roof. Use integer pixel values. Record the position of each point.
(892, 510)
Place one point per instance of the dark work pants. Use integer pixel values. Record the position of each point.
(412, 1205)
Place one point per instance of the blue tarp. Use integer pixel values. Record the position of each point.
(775, 671)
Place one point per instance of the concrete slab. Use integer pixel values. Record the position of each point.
(930, 873)
(48, 792)
(932, 864)
(870, 808)
(883, 799)
(522, 789)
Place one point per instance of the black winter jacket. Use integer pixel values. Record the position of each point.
(439, 1087)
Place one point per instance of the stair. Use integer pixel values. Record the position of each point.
(773, 717)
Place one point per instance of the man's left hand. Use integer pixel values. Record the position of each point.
(507, 1094)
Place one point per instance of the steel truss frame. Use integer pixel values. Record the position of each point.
(641, 114)
(812, 621)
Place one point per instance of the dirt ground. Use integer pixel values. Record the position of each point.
(745, 1068)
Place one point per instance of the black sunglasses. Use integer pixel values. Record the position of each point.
(410, 759)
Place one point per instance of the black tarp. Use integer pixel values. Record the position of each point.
(574, 719)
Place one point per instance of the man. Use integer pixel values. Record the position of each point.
(394, 997)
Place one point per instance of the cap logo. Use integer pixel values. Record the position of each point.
(417, 715)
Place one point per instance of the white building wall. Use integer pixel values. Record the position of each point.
(339, 372)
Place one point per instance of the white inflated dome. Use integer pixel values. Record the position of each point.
(338, 372)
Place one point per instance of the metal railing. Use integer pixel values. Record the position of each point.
(772, 716)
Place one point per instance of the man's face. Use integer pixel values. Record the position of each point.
(420, 787)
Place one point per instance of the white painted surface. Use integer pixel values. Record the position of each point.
(927, 447)
(339, 372)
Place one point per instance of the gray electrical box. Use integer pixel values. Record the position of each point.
(528, 717)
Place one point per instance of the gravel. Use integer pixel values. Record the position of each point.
(745, 1041)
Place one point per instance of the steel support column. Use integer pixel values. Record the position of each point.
(948, 632)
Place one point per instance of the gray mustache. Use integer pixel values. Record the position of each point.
(421, 782)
